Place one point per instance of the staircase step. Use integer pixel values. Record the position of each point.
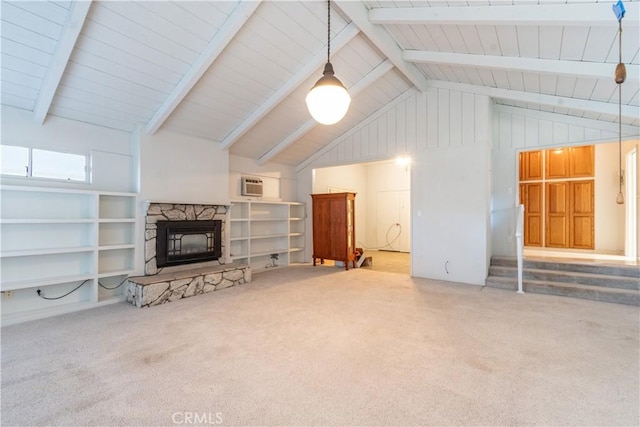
(574, 290)
(599, 268)
(590, 279)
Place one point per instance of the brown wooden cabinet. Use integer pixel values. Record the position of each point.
(566, 189)
(334, 227)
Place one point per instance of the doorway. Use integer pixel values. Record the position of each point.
(383, 213)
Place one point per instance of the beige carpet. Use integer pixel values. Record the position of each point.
(324, 346)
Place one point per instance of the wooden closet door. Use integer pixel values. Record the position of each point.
(557, 224)
(582, 220)
(530, 165)
(557, 163)
(531, 198)
(581, 161)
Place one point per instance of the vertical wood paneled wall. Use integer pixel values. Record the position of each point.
(439, 118)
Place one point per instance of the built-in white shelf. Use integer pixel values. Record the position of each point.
(264, 234)
(48, 221)
(49, 251)
(114, 247)
(55, 240)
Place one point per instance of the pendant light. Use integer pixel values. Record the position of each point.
(619, 77)
(328, 101)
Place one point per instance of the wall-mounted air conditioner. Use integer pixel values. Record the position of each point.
(251, 186)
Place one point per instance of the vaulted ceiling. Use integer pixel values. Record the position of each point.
(237, 72)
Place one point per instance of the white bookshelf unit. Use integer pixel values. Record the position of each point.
(266, 235)
(55, 240)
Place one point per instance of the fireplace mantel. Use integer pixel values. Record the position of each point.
(147, 202)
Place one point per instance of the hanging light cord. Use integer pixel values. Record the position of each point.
(620, 108)
(620, 135)
(328, 29)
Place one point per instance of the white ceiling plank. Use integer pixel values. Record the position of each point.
(628, 111)
(366, 122)
(574, 40)
(587, 14)
(68, 37)
(45, 9)
(27, 37)
(379, 36)
(13, 12)
(10, 62)
(303, 74)
(559, 67)
(360, 86)
(215, 46)
(578, 121)
(549, 41)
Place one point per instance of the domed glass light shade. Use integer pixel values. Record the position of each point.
(328, 100)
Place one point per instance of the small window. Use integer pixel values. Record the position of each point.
(43, 164)
(14, 160)
(55, 165)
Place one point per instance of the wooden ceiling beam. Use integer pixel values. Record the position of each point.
(309, 69)
(216, 45)
(381, 39)
(67, 41)
(572, 14)
(598, 70)
(628, 111)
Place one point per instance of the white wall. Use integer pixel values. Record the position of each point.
(279, 181)
(609, 216)
(111, 150)
(182, 169)
(449, 222)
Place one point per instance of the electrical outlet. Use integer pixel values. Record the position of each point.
(7, 294)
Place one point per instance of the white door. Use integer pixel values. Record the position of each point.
(393, 232)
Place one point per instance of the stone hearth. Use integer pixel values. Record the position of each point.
(147, 291)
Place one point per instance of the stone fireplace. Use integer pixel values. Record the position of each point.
(169, 226)
(184, 254)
